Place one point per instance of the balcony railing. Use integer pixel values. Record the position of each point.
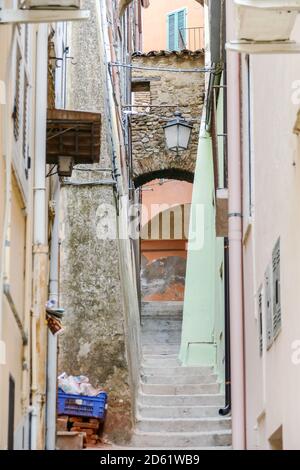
(191, 38)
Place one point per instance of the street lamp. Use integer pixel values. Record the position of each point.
(178, 133)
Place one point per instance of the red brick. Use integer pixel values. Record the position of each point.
(62, 424)
(75, 418)
(94, 420)
(85, 425)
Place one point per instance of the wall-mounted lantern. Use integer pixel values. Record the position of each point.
(178, 133)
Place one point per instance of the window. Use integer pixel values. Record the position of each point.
(141, 95)
(268, 308)
(176, 28)
(260, 321)
(276, 290)
(272, 301)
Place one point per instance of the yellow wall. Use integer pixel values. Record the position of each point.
(17, 249)
(155, 21)
(21, 273)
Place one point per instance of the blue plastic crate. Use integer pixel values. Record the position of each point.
(80, 405)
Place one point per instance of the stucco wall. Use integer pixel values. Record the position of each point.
(273, 380)
(155, 19)
(18, 256)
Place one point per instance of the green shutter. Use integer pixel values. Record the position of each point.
(181, 27)
(176, 23)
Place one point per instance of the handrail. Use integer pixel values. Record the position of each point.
(191, 38)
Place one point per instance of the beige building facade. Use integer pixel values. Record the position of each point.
(26, 218)
(22, 338)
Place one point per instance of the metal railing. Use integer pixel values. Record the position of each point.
(191, 38)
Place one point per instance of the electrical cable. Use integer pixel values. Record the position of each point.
(164, 69)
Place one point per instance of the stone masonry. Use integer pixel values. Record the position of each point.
(94, 342)
(169, 91)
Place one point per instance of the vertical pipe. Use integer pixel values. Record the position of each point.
(52, 339)
(225, 411)
(235, 239)
(39, 231)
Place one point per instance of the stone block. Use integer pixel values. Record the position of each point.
(69, 440)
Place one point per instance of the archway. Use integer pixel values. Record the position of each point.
(165, 220)
(164, 254)
(169, 173)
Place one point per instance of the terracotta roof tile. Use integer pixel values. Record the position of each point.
(164, 53)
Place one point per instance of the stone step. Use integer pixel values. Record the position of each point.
(176, 371)
(67, 440)
(184, 389)
(160, 360)
(160, 349)
(162, 309)
(181, 439)
(177, 412)
(161, 339)
(217, 400)
(179, 379)
(183, 425)
(165, 326)
(162, 332)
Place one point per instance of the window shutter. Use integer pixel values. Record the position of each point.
(276, 290)
(21, 111)
(171, 32)
(17, 110)
(25, 126)
(260, 321)
(176, 24)
(268, 308)
(181, 28)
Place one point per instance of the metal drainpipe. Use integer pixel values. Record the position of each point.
(226, 410)
(52, 339)
(40, 233)
(235, 238)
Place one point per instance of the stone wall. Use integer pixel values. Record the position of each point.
(95, 340)
(182, 91)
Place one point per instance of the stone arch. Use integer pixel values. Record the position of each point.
(168, 91)
(168, 173)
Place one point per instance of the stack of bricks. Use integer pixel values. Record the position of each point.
(90, 427)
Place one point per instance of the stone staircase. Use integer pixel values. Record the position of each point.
(177, 407)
